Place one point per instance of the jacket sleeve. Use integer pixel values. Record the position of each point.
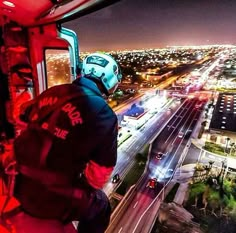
(103, 160)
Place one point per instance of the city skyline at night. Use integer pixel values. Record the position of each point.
(141, 24)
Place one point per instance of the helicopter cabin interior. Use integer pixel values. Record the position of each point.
(31, 41)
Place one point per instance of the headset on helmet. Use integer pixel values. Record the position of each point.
(102, 67)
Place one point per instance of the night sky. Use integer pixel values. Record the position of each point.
(137, 24)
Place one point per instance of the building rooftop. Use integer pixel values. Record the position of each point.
(224, 115)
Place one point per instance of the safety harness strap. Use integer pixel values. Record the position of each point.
(44, 176)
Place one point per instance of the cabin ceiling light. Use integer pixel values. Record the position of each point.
(7, 3)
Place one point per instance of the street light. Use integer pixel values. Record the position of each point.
(227, 143)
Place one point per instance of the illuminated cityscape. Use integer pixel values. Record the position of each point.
(188, 99)
(176, 108)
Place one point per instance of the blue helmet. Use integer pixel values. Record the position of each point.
(103, 68)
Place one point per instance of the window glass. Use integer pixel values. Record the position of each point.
(57, 67)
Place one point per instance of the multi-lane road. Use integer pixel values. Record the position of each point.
(139, 211)
(128, 150)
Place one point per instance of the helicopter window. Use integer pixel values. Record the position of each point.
(57, 67)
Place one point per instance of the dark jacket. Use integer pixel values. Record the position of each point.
(85, 141)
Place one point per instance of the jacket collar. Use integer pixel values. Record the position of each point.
(84, 82)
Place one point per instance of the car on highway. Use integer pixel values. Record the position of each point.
(159, 155)
(198, 105)
(181, 134)
(152, 183)
(188, 133)
(169, 171)
(115, 179)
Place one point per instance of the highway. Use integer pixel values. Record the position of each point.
(133, 145)
(128, 150)
(138, 211)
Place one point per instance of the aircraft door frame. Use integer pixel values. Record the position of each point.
(72, 38)
(40, 39)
